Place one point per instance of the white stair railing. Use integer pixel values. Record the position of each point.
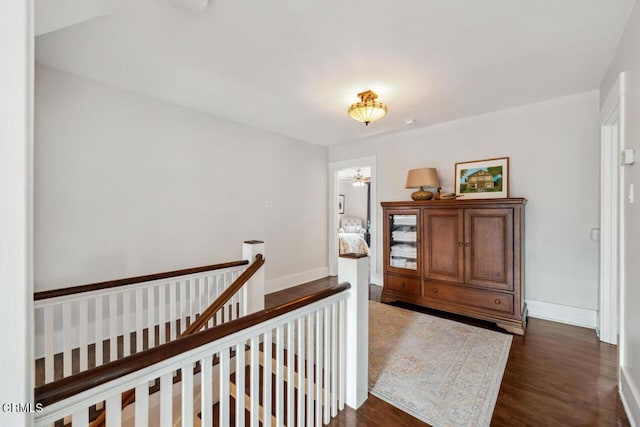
(84, 319)
(305, 341)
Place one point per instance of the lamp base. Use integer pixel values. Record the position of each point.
(421, 194)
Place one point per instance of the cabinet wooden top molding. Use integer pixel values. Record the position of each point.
(457, 203)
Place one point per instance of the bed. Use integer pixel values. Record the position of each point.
(351, 237)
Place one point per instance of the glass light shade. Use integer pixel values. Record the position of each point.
(423, 177)
(368, 109)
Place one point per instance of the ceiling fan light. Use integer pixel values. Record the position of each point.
(368, 109)
(359, 180)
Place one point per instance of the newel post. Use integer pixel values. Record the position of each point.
(253, 290)
(354, 268)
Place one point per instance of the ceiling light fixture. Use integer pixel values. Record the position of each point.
(368, 109)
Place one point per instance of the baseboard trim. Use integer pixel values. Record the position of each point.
(284, 282)
(376, 279)
(562, 313)
(630, 396)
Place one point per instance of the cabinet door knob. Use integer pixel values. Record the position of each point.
(435, 290)
(497, 301)
(402, 284)
(467, 244)
(460, 243)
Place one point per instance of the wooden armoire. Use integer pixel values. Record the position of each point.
(460, 256)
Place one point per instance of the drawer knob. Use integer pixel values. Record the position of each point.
(402, 284)
(435, 290)
(497, 301)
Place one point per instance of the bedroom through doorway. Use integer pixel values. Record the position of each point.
(352, 211)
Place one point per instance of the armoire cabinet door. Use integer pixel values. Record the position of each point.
(443, 243)
(402, 241)
(489, 248)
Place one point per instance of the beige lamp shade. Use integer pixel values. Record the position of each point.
(420, 178)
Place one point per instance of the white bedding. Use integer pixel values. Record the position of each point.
(352, 243)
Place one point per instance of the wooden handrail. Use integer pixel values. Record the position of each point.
(50, 393)
(224, 297)
(131, 280)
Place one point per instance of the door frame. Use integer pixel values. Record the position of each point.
(16, 206)
(332, 212)
(611, 213)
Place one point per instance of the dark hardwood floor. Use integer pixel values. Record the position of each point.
(556, 375)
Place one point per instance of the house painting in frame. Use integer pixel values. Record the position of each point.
(483, 179)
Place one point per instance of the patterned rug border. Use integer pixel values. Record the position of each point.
(484, 418)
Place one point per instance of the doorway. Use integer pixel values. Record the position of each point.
(347, 201)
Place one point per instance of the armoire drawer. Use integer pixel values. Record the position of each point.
(462, 295)
(405, 285)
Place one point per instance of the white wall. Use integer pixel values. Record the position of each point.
(355, 200)
(16, 304)
(627, 59)
(126, 185)
(553, 148)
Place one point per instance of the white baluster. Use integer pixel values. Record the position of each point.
(334, 359)
(80, 418)
(224, 387)
(184, 306)
(290, 372)
(173, 313)
(142, 405)
(220, 282)
(151, 321)
(113, 327)
(49, 351)
(327, 361)
(192, 300)
(240, 386)
(114, 411)
(326, 357)
(280, 375)
(267, 345)
(211, 291)
(166, 400)
(126, 323)
(99, 320)
(318, 376)
(162, 313)
(66, 338)
(187, 395)
(203, 282)
(301, 368)
(206, 391)
(254, 382)
(310, 369)
(83, 318)
(139, 314)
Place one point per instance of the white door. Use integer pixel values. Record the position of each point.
(611, 209)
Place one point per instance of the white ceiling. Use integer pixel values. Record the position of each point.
(294, 66)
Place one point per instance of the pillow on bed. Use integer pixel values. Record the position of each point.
(352, 229)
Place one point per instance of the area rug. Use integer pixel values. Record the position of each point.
(442, 372)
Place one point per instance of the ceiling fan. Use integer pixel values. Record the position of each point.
(360, 180)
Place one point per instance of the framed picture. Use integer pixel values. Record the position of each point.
(340, 203)
(483, 179)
